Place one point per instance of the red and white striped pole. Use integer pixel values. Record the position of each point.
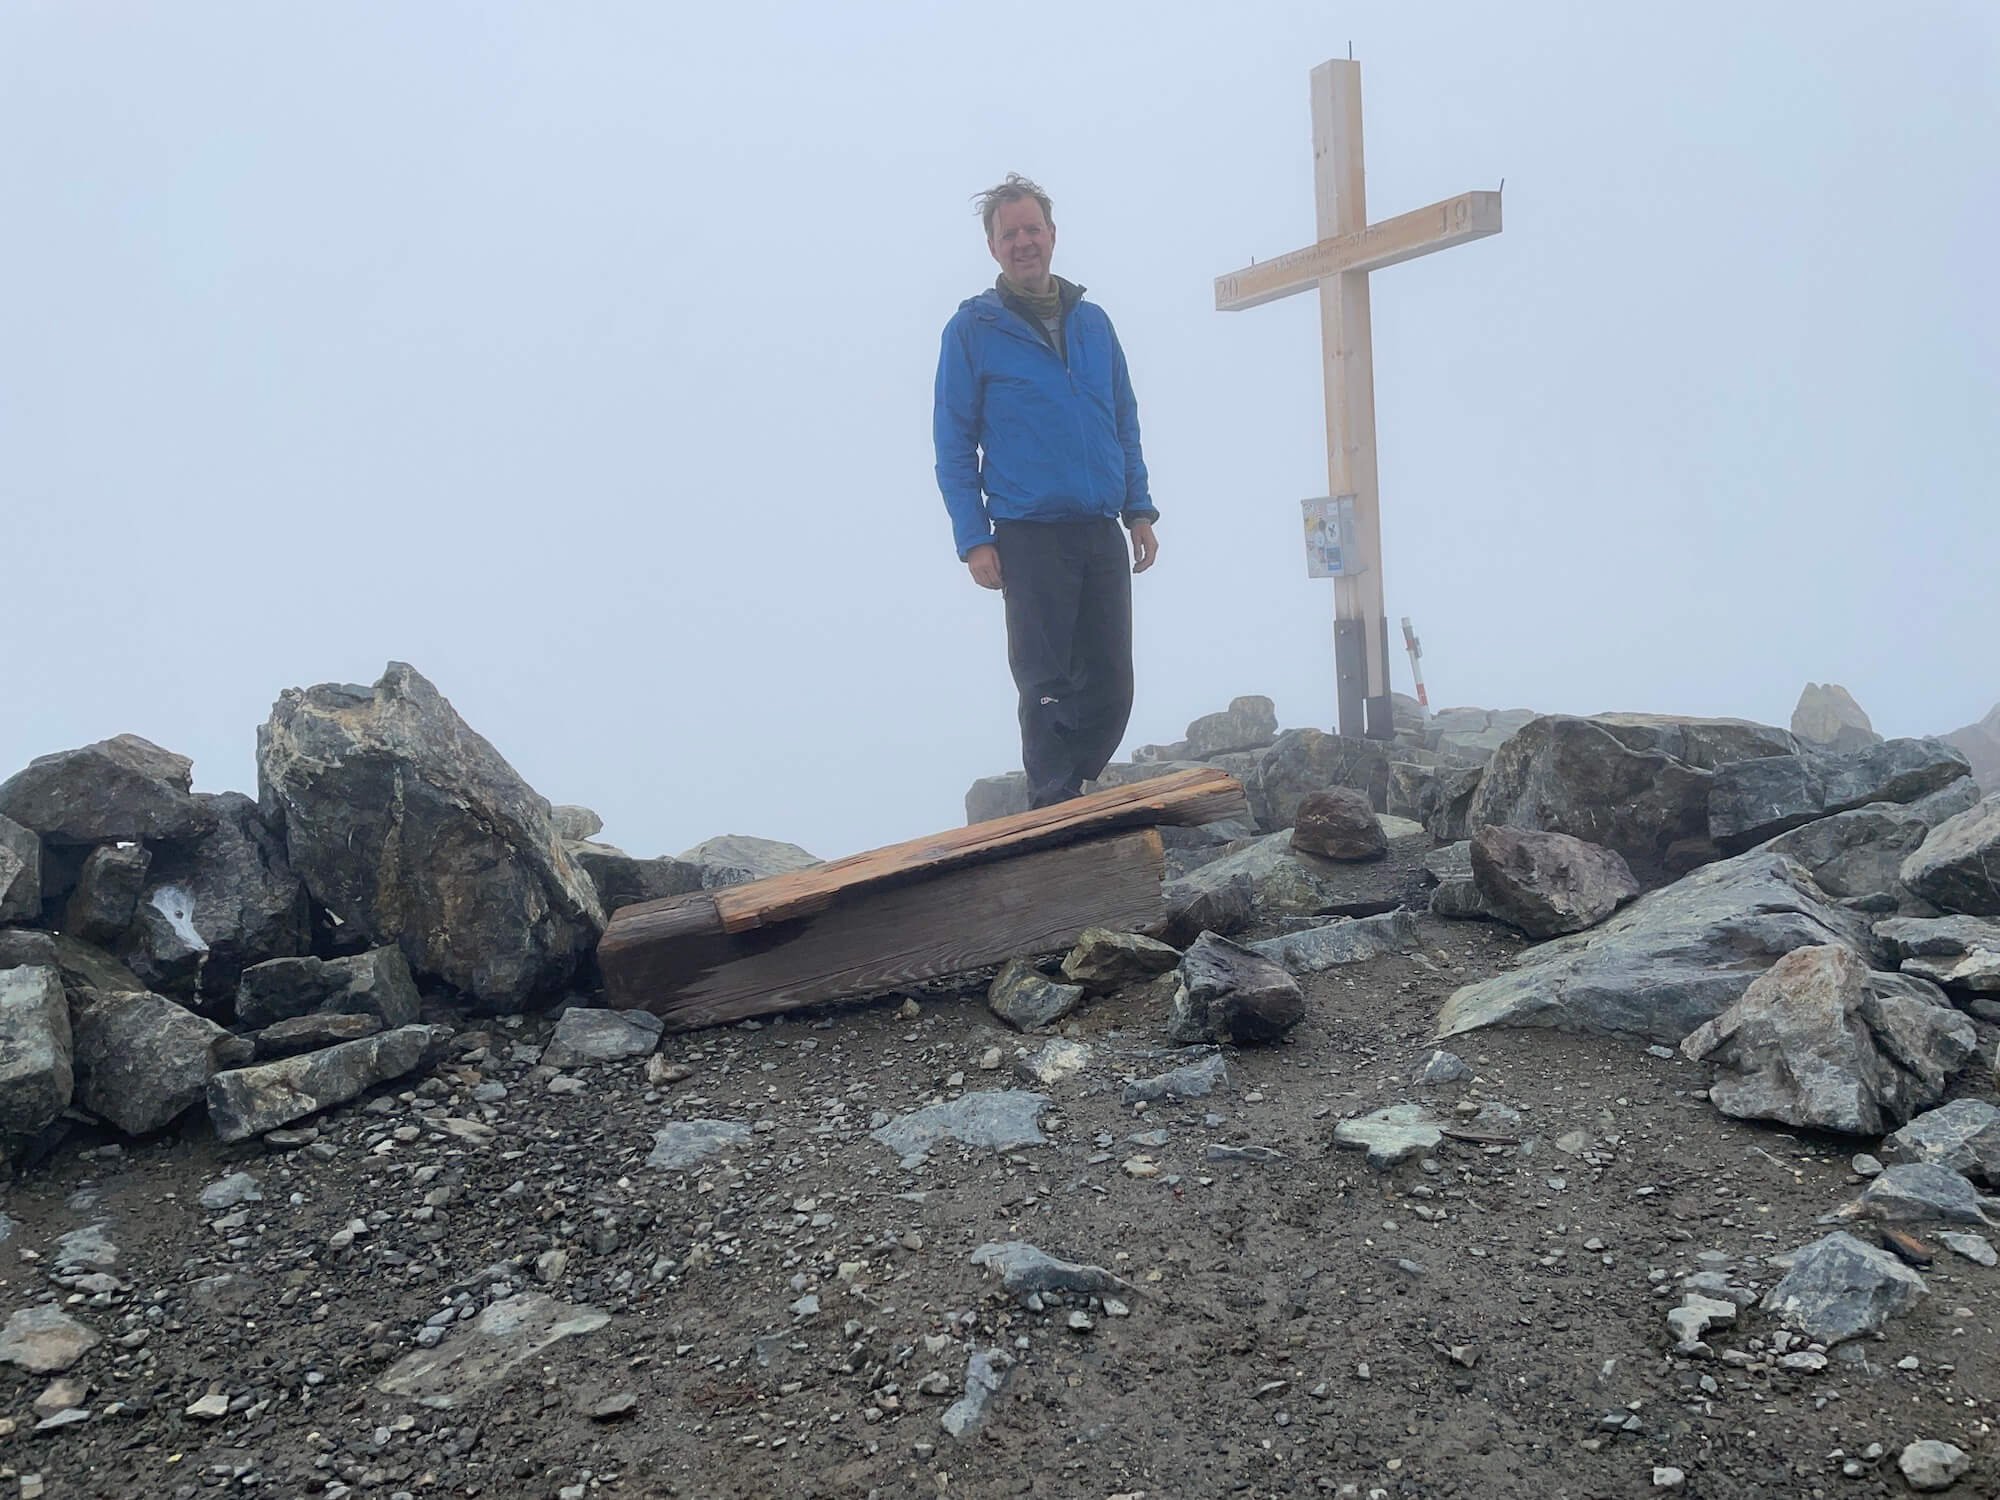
(1416, 650)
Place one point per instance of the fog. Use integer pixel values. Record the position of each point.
(582, 356)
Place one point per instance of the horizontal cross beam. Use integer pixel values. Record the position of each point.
(1469, 216)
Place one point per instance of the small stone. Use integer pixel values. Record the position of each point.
(209, 1407)
(69, 1417)
(1973, 1247)
(660, 1072)
(61, 1395)
(44, 1340)
(1667, 1477)
(615, 1408)
(1932, 1465)
(989, 1059)
(1865, 1165)
(1081, 1322)
(1804, 1361)
(1025, 998)
(227, 1193)
(1443, 1067)
(1391, 1135)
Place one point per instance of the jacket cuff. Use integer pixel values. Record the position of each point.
(1134, 516)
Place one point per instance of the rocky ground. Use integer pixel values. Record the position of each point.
(795, 1313)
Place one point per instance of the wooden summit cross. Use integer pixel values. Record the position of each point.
(1349, 248)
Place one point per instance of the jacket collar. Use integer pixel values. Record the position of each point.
(989, 305)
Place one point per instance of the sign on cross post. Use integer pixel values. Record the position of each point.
(1349, 248)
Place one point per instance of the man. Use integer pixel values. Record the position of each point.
(1037, 436)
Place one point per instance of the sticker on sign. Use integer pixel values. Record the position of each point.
(1330, 549)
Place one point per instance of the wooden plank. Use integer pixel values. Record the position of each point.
(1455, 221)
(1182, 798)
(874, 939)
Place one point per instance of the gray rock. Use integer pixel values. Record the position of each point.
(1475, 732)
(1280, 882)
(685, 1142)
(1345, 940)
(1193, 1080)
(1752, 801)
(1665, 964)
(1548, 884)
(1026, 999)
(1024, 1269)
(80, 964)
(36, 1061)
(1338, 824)
(587, 1035)
(310, 1034)
(480, 1354)
(244, 1102)
(1248, 723)
(1229, 994)
(44, 1340)
(116, 791)
(993, 797)
(243, 903)
(1828, 718)
(1957, 868)
(20, 872)
(1932, 1465)
(985, 1374)
(574, 824)
(1391, 1135)
(141, 1061)
(414, 831)
(163, 946)
(1057, 1061)
(1199, 902)
(1414, 790)
(1635, 783)
(107, 893)
(1921, 1193)
(1838, 1288)
(1103, 961)
(1303, 761)
(228, 1192)
(1963, 1135)
(1958, 952)
(1856, 853)
(1443, 1067)
(1452, 862)
(1820, 1040)
(622, 880)
(735, 859)
(1961, 796)
(1698, 1314)
(1975, 1248)
(1450, 818)
(377, 983)
(89, 1246)
(987, 1120)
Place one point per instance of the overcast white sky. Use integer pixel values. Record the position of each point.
(582, 354)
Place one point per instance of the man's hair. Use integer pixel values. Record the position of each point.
(1013, 190)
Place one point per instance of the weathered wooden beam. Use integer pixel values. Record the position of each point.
(675, 958)
(1455, 221)
(1182, 798)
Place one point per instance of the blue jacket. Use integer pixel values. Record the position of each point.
(1023, 436)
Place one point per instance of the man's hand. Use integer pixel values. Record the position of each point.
(1145, 546)
(985, 565)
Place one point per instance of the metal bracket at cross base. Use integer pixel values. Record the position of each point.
(1361, 716)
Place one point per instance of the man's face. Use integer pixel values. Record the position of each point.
(1023, 243)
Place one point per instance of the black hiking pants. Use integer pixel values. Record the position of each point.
(1068, 587)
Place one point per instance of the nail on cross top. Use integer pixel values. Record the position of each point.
(1349, 248)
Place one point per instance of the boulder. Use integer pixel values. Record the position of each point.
(310, 1034)
(244, 1102)
(1957, 868)
(1475, 732)
(1247, 724)
(1103, 960)
(1838, 1288)
(1857, 853)
(162, 945)
(1548, 884)
(1025, 998)
(1752, 801)
(243, 902)
(1921, 1192)
(1671, 960)
(1198, 903)
(143, 1061)
(1957, 952)
(1346, 940)
(1821, 1041)
(107, 893)
(1634, 783)
(118, 790)
(1229, 994)
(36, 1077)
(1280, 881)
(1828, 718)
(414, 830)
(1303, 761)
(622, 880)
(993, 797)
(1963, 1135)
(1450, 817)
(735, 859)
(80, 964)
(1338, 824)
(377, 983)
(1960, 796)
(20, 872)
(574, 824)
(1980, 744)
(586, 1034)
(1413, 790)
